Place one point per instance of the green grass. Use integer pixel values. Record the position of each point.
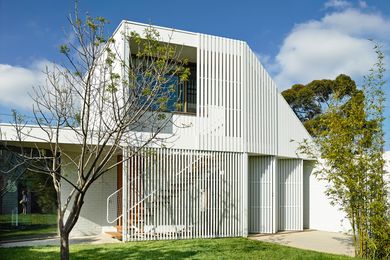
(30, 232)
(224, 248)
(30, 226)
(30, 219)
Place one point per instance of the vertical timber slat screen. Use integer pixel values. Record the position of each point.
(180, 194)
(290, 173)
(261, 171)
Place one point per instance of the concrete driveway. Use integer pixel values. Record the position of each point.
(321, 241)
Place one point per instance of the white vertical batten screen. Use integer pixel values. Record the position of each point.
(179, 194)
(290, 175)
(290, 130)
(233, 85)
(261, 106)
(219, 107)
(245, 195)
(261, 174)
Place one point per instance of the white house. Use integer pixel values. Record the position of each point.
(232, 171)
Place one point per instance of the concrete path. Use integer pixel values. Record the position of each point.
(99, 239)
(321, 241)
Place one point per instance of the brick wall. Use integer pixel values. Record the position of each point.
(93, 213)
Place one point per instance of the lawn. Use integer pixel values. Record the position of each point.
(223, 248)
(30, 226)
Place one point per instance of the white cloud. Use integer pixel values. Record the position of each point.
(16, 83)
(337, 43)
(362, 4)
(337, 4)
(357, 23)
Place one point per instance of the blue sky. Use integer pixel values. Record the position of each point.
(296, 40)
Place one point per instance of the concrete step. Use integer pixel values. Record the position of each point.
(116, 235)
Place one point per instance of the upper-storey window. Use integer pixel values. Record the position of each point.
(180, 96)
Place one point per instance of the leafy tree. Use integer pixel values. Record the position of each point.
(309, 102)
(348, 147)
(377, 226)
(89, 100)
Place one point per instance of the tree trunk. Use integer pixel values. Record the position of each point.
(64, 245)
(354, 230)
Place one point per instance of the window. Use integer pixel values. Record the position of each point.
(28, 205)
(187, 93)
(181, 99)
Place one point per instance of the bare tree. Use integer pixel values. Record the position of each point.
(104, 102)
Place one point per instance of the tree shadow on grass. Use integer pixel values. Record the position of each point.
(131, 253)
(110, 253)
(37, 231)
(229, 248)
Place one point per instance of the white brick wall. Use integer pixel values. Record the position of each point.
(93, 214)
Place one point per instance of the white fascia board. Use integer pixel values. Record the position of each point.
(35, 134)
(171, 35)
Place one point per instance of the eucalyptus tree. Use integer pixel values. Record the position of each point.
(309, 102)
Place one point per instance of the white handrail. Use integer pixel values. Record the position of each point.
(108, 203)
(108, 211)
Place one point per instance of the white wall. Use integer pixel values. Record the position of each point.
(387, 169)
(322, 215)
(93, 214)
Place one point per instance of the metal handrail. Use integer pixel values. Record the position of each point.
(108, 202)
(108, 211)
